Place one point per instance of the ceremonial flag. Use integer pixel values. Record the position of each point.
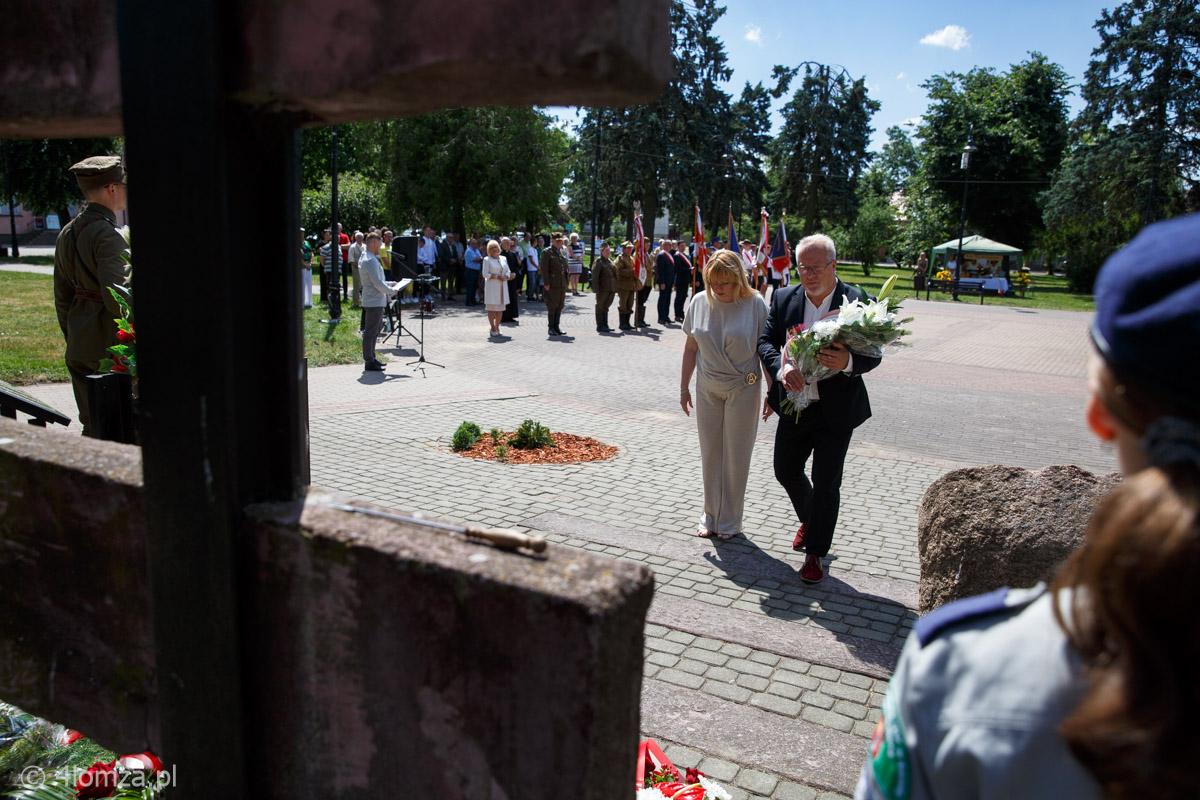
(639, 249)
(779, 250)
(764, 237)
(733, 237)
(701, 250)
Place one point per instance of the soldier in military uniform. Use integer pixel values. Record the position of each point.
(87, 260)
(627, 285)
(553, 267)
(604, 282)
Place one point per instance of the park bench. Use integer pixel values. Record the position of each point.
(965, 286)
(13, 400)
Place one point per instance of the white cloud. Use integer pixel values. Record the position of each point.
(953, 36)
(901, 76)
(754, 34)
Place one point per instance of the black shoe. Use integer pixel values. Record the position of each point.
(664, 322)
(373, 367)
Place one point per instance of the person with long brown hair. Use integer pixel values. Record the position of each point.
(1087, 689)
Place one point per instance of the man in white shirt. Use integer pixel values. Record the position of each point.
(356, 251)
(427, 251)
(838, 404)
(531, 269)
(375, 295)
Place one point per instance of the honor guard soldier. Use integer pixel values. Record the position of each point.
(87, 261)
(627, 285)
(604, 282)
(553, 266)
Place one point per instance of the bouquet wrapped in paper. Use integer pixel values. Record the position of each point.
(865, 329)
(659, 779)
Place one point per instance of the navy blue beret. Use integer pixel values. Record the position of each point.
(1147, 323)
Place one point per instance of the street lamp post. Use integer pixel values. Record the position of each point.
(962, 219)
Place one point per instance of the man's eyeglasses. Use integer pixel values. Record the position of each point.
(813, 270)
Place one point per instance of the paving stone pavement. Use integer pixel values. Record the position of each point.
(770, 686)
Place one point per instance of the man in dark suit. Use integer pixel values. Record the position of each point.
(664, 278)
(839, 403)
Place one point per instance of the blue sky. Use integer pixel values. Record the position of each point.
(897, 45)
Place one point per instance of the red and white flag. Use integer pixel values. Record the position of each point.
(639, 249)
(698, 242)
(764, 238)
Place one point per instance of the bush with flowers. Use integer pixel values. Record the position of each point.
(124, 353)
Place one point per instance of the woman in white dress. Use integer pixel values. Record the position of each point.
(723, 325)
(495, 286)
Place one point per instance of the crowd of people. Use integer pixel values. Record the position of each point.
(535, 265)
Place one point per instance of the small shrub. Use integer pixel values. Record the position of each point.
(495, 434)
(531, 435)
(465, 436)
(501, 453)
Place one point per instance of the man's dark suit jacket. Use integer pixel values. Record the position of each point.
(843, 396)
(664, 270)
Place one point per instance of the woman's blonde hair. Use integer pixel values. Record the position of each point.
(491, 244)
(727, 264)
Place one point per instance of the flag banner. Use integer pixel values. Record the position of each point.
(779, 250)
(639, 249)
(733, 237)
(764, 239)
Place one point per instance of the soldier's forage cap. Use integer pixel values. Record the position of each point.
(98, 171)
(556, 235)
(626, 243)
(1148, 308)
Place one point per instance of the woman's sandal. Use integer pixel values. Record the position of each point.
(705, 533)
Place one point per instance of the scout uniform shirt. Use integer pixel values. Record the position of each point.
(973, 709)
(87, 260)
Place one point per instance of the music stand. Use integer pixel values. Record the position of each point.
(426, 282)
(395, 318)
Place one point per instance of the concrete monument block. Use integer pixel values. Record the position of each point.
(329, 61)
(405, 659)
(76, 638)
(985, 527)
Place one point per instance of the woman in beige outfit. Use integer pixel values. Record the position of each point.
(722, 326)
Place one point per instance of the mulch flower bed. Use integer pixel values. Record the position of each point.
(568, 449)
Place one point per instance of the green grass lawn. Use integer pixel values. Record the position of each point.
(44, 261)
(32, 346)
(1047, 291)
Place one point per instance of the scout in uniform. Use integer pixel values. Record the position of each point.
(553, 267)
(627, 285)
(87, 260)
(604, 282)
(1084, 690)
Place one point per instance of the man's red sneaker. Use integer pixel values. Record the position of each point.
(812, 572)
(798, 542)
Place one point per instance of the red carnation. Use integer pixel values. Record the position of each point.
(694, 775)
(119, 367)
(125, 336)
(100, 780)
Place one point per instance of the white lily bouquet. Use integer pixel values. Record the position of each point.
(865, 329)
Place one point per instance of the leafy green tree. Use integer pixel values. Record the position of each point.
(1135, 148)
(899, 160)
(361, 147)
(475, 168)
(1017, 120)
(360, 204)
(821, 150)
(694, 142)
(875, 225)
(39, 171)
